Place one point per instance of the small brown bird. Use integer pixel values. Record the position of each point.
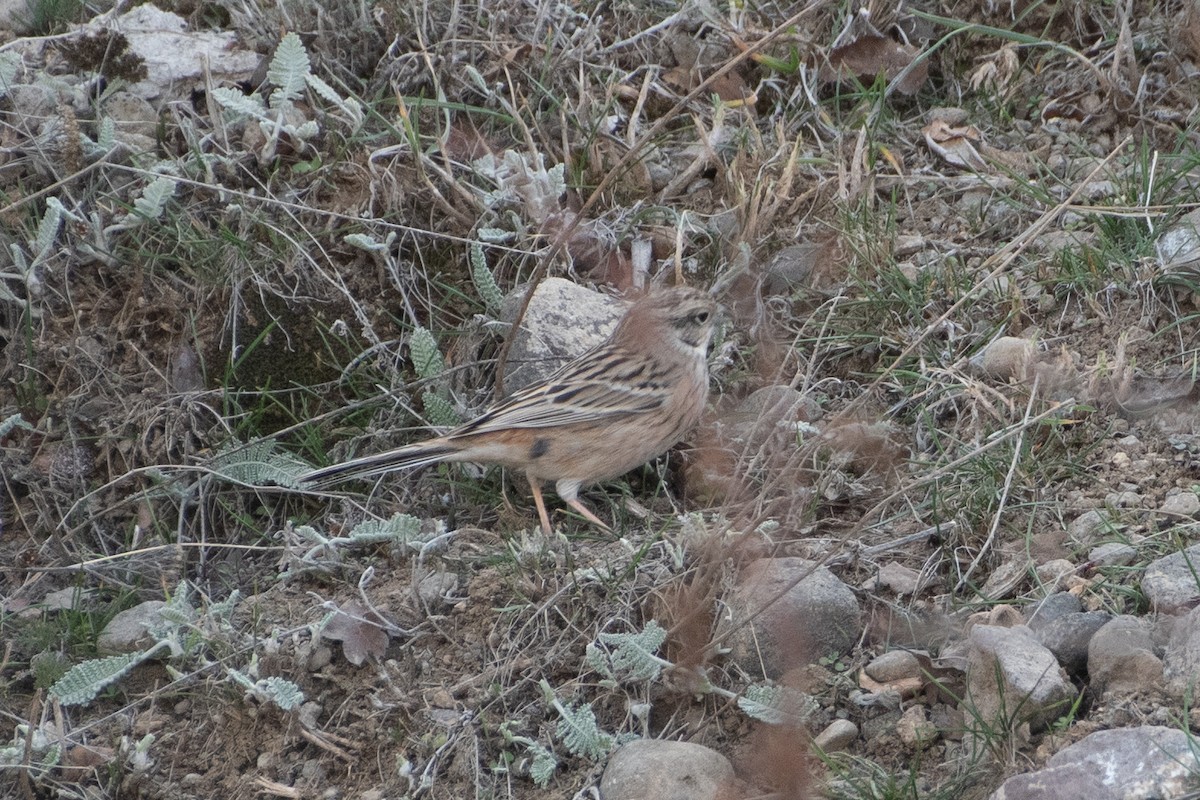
(610, 410)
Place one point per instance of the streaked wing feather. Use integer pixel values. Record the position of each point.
(606, 385)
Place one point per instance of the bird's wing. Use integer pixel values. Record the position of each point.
(606, 384)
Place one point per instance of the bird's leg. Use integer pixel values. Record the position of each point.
(588, 515)
(540, 503)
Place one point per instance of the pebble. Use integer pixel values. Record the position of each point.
(664, 769)
(1169, 583)
(1184, 504)
(1121, 658)
(1112, 554)
(1125, 499)
(914, 728)
(816, 616)
(894, 665)
(838, 735)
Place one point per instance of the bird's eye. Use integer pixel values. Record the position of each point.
(701, 317)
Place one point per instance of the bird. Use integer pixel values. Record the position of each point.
(614, 408)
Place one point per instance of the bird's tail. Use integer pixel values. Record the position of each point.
(407, 457)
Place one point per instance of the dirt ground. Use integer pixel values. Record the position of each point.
(875, 198)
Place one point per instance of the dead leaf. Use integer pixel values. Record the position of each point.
(955, 144)
(78, 762)
(361, 631)
(874, 54)
(996, 69)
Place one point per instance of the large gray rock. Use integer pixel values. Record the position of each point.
(1122, 658)
(656, 769)
(1068, 637)
(129, 631)
(564, 320)
(1170, 582)
(1181, 662)
(798, 612)
(1009, 672)
(1140, 763)
(1051, 608)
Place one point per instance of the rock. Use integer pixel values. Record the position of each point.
(792, 267)
(1005, 578)
(898, 578)
(1053, 574)
(1068, 637)
(894, 665)
(882, 725)
(177, 59)
(1088, 527)
(128, 632)
(771, 413)
(131, 114)
(1169, 583)
(1121, 764)
(1179, 245)
(816, 615)
(564, 320)
(1183, 504)
(1010, 672)
(838, 735)
(1121, 658)
(914, 728)
(1006, 358)
(1112, 554)
(665, 770)
(1126, 498)
(72, 598)
(950, 721)
(1181, 661)
(1053, 607)
(436, 588)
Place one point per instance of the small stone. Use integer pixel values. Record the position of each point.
(1183, 504)
(435, 588)
(1125, 499)
(1006, 358)
(1053, 573)
(665, 770)
(1121, 658)
(815, 616)
(898, 578)
(563, 321)
(838, 735)
(1053, 607)
(1007, 670)
(892, 666)
(1169, 583)
(319, 658)
(128, 631)
(950, 721)
(1089, 526)
(1182, 658)
(914, 728)
(1112, 554)
(1068, 638)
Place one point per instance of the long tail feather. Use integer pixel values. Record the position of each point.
(408, 457)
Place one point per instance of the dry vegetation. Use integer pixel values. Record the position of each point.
(876, 199)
